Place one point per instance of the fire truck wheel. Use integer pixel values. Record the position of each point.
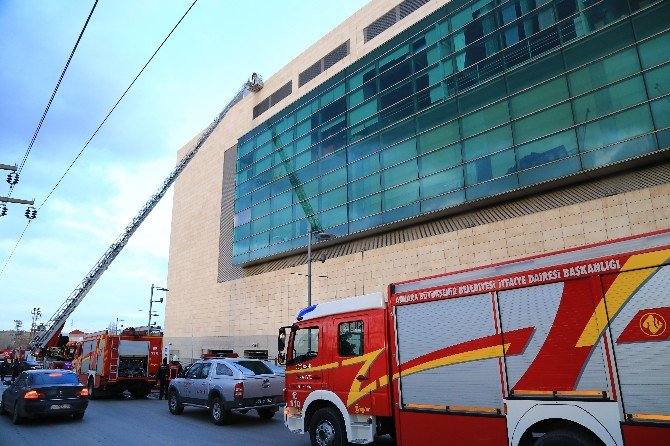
(266, 414)
(327, 428)
(219, 414)
(566, 437)
(140, 394)
(78, 415)
(91, 390)
(174, 403)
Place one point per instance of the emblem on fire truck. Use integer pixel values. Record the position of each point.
(653, 324)
(649, 324)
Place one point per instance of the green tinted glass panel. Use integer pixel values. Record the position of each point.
(485, 119)
(660, 109)
(620, 151)
(441, 182)
(400, 196)
(493, 166)
(658, 81)
(365, 206)
(610, 69)
(487, 143)
(599, 44)
(615, 128)
(438, 137)
(609, 99)
(365, 186)
(440, 159)
(655, 51)
(652, 20)
(399, 153)
(400, 174)
(539, 124)
(539, 97)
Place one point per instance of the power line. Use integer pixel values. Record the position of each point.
(53, 95)
(115, 105)
(97, 130)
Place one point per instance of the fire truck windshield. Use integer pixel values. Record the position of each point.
(305, 345)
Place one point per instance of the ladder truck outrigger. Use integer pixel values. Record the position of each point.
(49, 336)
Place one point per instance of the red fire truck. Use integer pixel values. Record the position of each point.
(110, 364)
(567, 348)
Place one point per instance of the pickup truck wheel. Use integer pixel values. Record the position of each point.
(267, 413)
(327, 428)
(174, 403)
(218, 413)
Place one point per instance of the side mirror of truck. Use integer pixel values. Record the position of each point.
(281, 340)
(281, 358)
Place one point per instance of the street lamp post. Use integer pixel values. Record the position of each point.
(152, 301)
(321, 237)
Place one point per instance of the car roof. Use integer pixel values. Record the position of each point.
(43, 371)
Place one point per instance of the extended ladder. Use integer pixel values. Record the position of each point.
(53, 327)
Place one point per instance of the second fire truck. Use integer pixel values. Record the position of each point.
(111, 364)
(568, 348)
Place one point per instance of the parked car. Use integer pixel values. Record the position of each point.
(38, 393)
(225, 385)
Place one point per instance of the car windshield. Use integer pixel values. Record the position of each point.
(54, 378)
(274, 368)
(252, 367)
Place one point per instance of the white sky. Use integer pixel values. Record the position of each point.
(215, 49)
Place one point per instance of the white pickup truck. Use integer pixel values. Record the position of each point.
(224, 385)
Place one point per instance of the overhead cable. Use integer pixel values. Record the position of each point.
(53, 189)
(53, 95)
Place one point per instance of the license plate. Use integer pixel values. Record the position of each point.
(60, 406)
(263, 400)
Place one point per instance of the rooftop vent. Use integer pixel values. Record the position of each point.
(391, 18)
(274, 98)
(322, 65)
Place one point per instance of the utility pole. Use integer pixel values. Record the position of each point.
(36, 313)
(17, 331)
(12, 179)
(152, 301)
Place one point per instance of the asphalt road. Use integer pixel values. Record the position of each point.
(126, 422)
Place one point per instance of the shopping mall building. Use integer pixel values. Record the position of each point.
(426, 136)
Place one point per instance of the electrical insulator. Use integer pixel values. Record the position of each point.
(12, 178)
(31, 213)
(3, 210)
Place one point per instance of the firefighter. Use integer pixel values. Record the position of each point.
(3, 370)
(163, 375)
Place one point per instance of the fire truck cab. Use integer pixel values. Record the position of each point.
(567, 348)
(337, 351)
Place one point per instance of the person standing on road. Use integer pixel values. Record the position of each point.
(163, 373)
(3, 370)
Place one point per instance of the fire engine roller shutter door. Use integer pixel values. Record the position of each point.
(641, 338)
(101, 356)
(552, 359)
(86, 350)
(133, 348)
(427, 328)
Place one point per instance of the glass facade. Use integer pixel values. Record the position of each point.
(477, 99)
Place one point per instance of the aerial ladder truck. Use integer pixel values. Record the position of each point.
(49, 336)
